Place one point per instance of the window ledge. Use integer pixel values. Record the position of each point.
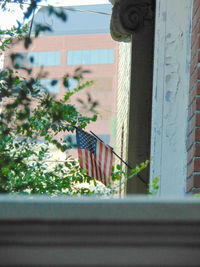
(89, 208)
(134, 231)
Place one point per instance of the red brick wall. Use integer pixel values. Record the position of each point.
(193, 141)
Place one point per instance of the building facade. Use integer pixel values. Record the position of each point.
(174, 130)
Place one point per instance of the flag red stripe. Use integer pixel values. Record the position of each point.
(100, 157)
(111, 160)
(105, 164)
(86, 160)
(92, 167)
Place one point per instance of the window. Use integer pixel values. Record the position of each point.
(88, 57)
(37, 59)
(51, 88)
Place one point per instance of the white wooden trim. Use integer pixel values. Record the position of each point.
(170, 95)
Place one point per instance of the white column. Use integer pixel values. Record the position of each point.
(170, 95)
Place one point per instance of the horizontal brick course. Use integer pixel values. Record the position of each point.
(193, 182)
(194, 151)
(193, 166)
(193, 137)
(190, 139)
(193, 122)
(194, 62)
(197, 134)
(197, 103)
(195, 33)
(194, 77)
(196, 17)
(197, 119)
(197, 165)
(190, 154)
(196, 4)
(190, 169)
(195, 106)
(191, 125)
(194, 92)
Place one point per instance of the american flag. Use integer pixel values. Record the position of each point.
(94, 156)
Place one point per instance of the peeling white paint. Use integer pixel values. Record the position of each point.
(170, 95)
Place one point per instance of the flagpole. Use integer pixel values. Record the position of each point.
(29, 35)
(139, 176)
(121, 155)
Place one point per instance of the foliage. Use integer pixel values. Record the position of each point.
(123, 176)
(154, 187)
(11, 34)
(22, 126)
(31, 115)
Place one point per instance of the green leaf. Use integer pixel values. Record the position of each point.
(54, 127)
(118, 167)
(41, 28)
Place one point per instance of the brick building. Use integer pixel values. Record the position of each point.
(193, 140)
(82, 41)
(162, 117)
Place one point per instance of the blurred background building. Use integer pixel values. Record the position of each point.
(83, 41)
